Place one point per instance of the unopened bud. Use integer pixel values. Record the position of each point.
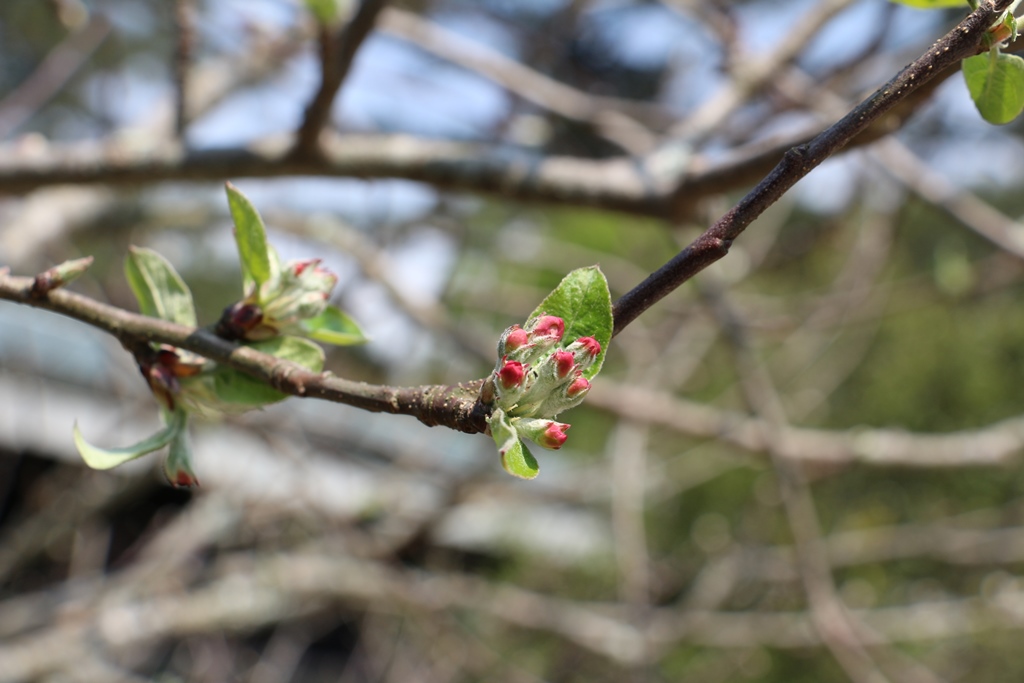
(565, 362)
(511, 374)
(546, 329)
(59, 275)
(578, 388)
(545, 433)
(585, 350)
(301, 293)
(513, 340)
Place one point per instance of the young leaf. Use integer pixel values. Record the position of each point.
(334, 327)
(159, 289)
(251, 237)
(519, 461)
(583, 301)
(106, 458)
(996, 83)
(515, 457)
(296, 349)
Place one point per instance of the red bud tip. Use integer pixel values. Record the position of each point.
(554, 436)
(564, 363)
(184, 480)
(516, 338)
(511, 374)
(592, 346)
(548, 327)
(579, 387)
(299, 266)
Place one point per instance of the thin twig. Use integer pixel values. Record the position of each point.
(455, 406)
(337, 53)
(715, 242)
(184, 22)
(624, 122)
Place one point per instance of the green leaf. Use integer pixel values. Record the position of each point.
(583, 301)
(515, 456)
(296, 349)
(996, 83)
(334, 327)
(251, 238)
(106, 458)
(930, 4)
(159, 289)
(519, 461)
(225, 389)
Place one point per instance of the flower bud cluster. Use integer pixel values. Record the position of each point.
(300, 292)
(536, 377)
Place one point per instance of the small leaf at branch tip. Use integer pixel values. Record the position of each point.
(250, 236)
(996, 83)
(159, 289)
(59, 275)
(106, 458)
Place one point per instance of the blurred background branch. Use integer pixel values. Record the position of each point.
(802, 466)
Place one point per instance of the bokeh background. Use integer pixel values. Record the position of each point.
(804, 465)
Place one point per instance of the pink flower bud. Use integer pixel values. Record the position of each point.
(299, 266)
(554, 436)
(313, 275)
(565, 362)
(515, 338)
(590, 345)
(545, 433)
(586, 350)
(546, 328)
(511, 374)
(578, 388)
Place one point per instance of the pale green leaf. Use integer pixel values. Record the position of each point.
(519, 461)
(296, 349)
(251, 238)
(996, 83)
(515, 457)
(583, 301)
(334, 327)
(106, 458)
(159, 289)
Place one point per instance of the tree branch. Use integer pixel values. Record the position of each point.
(456, 407)
(337, 53)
